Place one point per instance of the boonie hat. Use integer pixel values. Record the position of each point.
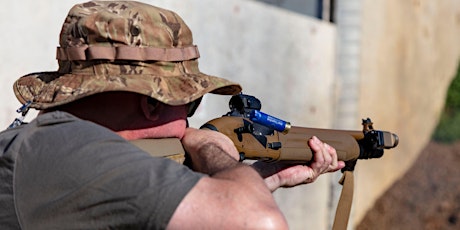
(122, 46)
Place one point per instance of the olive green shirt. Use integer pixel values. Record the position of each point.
(60, 172)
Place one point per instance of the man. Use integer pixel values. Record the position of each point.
(129, 71)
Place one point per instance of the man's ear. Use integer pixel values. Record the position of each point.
(150, 108)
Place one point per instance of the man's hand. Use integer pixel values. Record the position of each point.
(281, 174)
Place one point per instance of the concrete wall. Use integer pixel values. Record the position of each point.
(285, 59)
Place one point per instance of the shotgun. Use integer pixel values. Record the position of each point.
(259, 136)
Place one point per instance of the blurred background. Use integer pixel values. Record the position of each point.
(316, 63)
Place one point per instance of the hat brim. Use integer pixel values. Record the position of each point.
(49, 89)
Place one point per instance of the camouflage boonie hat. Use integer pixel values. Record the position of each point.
(122, 46)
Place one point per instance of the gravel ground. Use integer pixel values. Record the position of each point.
(426, 197)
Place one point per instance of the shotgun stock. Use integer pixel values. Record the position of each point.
(259, 136)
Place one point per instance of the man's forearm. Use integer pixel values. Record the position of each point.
(209, 151)
(211, 159)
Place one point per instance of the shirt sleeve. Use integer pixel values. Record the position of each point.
(80, 175)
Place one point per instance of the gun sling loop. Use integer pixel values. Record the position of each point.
(342, 213)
